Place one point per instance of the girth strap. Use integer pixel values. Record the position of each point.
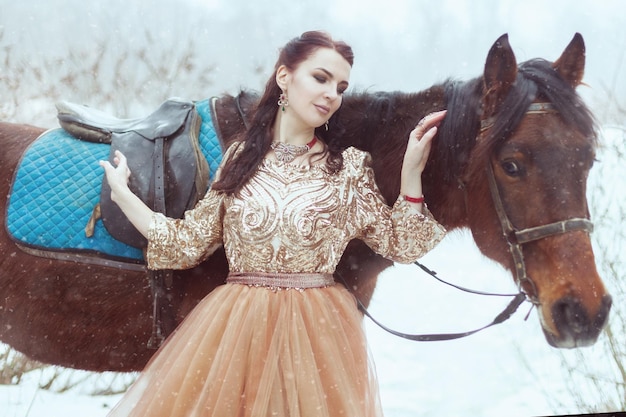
(159, 175)
(160, 280)
(163, 321)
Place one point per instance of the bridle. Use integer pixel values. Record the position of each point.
(517, 238)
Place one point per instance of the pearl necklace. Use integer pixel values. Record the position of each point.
(286, 152)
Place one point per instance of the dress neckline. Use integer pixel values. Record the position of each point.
(292, 165)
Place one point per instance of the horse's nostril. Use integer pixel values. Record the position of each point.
(570, 316)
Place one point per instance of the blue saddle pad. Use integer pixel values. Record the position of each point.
(58, 183)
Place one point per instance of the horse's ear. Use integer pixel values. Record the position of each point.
(500, 73)
(571, 64)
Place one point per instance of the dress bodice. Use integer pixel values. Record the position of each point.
(295, 219)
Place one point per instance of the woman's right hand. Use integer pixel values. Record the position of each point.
(118, 175)
(136, 210)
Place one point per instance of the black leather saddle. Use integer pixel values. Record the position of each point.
(168, 172)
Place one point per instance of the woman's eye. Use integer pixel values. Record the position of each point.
(320, 78)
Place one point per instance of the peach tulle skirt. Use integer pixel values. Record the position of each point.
(255, 352)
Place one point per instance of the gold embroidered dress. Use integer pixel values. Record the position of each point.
(279, 338)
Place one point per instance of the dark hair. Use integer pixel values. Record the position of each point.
(257, 139)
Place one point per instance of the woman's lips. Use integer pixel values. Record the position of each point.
(323, 109)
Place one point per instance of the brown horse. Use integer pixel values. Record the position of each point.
(519, 134)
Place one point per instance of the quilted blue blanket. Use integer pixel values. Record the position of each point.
(57, 185)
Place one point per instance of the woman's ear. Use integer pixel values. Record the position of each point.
(282, 77)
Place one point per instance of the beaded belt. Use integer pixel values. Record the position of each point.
(279, 281)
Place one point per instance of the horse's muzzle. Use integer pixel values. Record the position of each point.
(576, 327)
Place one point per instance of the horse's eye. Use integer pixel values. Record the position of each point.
(511, 168)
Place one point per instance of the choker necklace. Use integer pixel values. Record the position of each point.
(287, 153)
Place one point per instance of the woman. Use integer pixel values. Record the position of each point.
(280, 338)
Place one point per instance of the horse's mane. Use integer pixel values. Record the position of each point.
(370, 111)
(391, 115)
(536, 80)
(457, 133)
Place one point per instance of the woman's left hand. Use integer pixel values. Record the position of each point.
(420, 142)
(416, 155)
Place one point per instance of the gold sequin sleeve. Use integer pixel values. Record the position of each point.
(401, 233)
(184, 243)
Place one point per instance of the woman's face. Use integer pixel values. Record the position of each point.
(315, 88)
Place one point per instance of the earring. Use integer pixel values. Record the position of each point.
(326, 124)
(283, 101)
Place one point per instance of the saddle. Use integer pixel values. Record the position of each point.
(168, 172)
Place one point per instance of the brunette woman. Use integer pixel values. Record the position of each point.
(280, 337)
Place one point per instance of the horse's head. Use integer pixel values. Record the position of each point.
(533, 153)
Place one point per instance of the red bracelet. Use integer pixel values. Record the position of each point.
(414, 199)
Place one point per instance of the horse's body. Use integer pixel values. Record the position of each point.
(99, 318)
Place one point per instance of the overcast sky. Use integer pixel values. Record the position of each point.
(399, 44)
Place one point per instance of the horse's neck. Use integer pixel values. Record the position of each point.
(380, 124)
